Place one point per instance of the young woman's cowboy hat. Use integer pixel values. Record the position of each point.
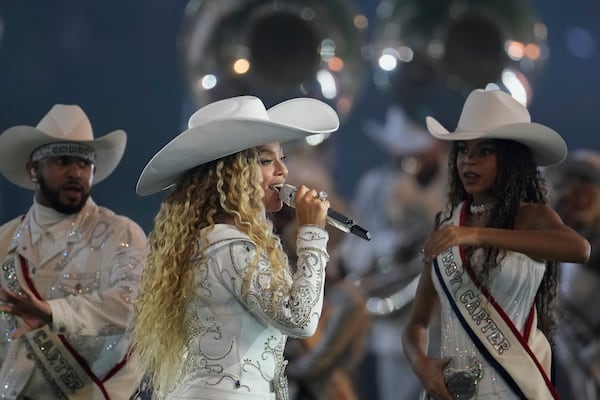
(63, 123)
(494, 114)
(231, 125)
(398, 134)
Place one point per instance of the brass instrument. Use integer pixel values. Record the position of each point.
(275, 50)
(427, 55)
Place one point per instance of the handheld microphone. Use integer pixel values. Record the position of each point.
(287, 194)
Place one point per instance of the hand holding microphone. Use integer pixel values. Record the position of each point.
(310, 208)
(288, 193)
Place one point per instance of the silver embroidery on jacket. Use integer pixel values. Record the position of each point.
(214, 354)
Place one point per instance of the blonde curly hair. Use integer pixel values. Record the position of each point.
(228, 189)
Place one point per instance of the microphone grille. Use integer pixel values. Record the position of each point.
(287, 194)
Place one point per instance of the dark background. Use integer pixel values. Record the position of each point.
(119, 61)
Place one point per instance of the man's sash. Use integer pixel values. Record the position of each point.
(61, 365)
(513, 355)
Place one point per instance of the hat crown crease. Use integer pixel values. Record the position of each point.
(244, 107)
(477, 115)
(62, 123)
(66, 123)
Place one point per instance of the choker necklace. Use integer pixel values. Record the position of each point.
(480, 208)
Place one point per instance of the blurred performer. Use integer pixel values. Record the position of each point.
(578, 336)
(322, 367)
(396, 202)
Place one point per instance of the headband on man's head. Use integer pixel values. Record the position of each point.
(64, 149)
(64, 131)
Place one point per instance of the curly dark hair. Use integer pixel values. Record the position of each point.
(518, 180)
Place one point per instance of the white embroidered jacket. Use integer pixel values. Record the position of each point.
(88, 268)
(235, 345)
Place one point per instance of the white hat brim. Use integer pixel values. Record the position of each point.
(291, 120)
(547, 146)
(18, 142)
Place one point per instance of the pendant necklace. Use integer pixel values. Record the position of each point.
(480, 208)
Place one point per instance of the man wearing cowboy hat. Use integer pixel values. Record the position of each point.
(70, 268)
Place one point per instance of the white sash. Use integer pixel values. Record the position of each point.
(59, 366)
(523, 360)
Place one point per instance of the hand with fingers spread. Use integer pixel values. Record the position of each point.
(33, 312)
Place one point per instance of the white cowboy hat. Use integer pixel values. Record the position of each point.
(399, 135)
(63, 123)
(494, 114)
(231, 125)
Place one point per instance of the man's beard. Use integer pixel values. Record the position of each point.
(53, 199)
